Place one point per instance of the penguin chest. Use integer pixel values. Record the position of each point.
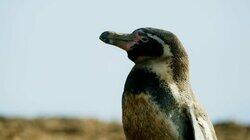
(143, 119)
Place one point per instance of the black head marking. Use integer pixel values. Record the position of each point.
(150, 49)
(146, 47)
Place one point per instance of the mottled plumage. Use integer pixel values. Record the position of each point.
(158, 102)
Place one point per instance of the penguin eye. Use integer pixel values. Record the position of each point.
(144, 39)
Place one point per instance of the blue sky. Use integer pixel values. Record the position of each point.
(52, 62)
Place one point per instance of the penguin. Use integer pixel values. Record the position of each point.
(158, 102)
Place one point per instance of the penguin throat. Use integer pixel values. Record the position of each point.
(160, 66)
(168, 69)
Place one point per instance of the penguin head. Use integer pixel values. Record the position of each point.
(146, 44)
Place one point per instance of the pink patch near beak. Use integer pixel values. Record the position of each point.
(128, 45)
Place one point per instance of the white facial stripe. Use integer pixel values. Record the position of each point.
(166, 50)
(156, 38)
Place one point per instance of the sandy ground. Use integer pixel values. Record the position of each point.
(80, 129)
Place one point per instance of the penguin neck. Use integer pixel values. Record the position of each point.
(171, 70)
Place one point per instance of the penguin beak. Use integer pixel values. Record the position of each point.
(123, 41)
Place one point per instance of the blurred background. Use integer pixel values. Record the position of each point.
(52, 63)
